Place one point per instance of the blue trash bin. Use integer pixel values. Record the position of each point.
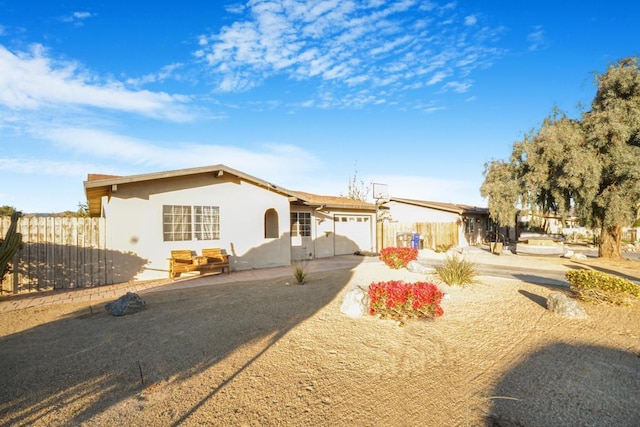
(415, 241)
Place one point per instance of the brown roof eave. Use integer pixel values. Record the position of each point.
(447, 207)
(350, 207)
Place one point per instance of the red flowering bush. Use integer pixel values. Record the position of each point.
(398, 257)
(400, 301)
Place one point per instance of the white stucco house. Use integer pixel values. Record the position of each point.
(256, 222)
(473, 222)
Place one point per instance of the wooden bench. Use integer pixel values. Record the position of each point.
(216, 258)
(183, 260)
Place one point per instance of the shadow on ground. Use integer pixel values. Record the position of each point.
(90, 360)
(569, 385)
(538, 299)
(624, 272)
(539, 280)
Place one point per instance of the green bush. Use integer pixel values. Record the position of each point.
(456, 271)
(443, 248)
(595, 286)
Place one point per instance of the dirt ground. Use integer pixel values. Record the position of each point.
(272, 353)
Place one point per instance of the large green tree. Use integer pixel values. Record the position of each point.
(612, 129)
(590, 167)
(501, 188)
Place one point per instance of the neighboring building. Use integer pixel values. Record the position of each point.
(547, 223)
(473, 222)
(258, 223)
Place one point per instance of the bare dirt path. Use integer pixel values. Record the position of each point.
(268, 353)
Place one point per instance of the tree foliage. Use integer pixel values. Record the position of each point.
(7, 210)
(588, 167)
(82, 212)
(501, 188)
(356, 189)
(613, 130)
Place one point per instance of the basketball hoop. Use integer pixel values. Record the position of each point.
(380, 192)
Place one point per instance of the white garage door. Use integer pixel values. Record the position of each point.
(352, 233)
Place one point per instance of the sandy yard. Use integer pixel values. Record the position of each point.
(271, 353)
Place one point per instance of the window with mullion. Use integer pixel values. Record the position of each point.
(206, 222)
(180, 223)
(301, 224)
(176, 220)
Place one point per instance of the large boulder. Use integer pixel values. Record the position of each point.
(416, 267)
(574, 255)
(355, 303)
(562, 305)
(126, 304)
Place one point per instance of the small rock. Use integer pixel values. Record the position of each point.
(126, 304)
(561, 304)
(574, 255)
(416, 267)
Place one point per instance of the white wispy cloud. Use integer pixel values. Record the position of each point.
(458, 87)
(348, 44)
(33, 80)
(235, 8)
(437, 77)
(77, 18)
(43, 167)
(167, 72)
(271, 161)
(536, 38)
(82, 15)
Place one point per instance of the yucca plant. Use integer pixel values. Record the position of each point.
(299, 271)
(456, 271)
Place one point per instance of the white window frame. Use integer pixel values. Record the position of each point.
(300, 224)
(186, 222)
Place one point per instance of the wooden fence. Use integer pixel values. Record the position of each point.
(64, 253)
(434, 235)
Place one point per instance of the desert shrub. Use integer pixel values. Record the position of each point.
(401, 301)
(397, 258)
(299, 269)
(443, 247)
(595, 286)
(456, 271)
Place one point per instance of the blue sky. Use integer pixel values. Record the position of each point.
(417, 95)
